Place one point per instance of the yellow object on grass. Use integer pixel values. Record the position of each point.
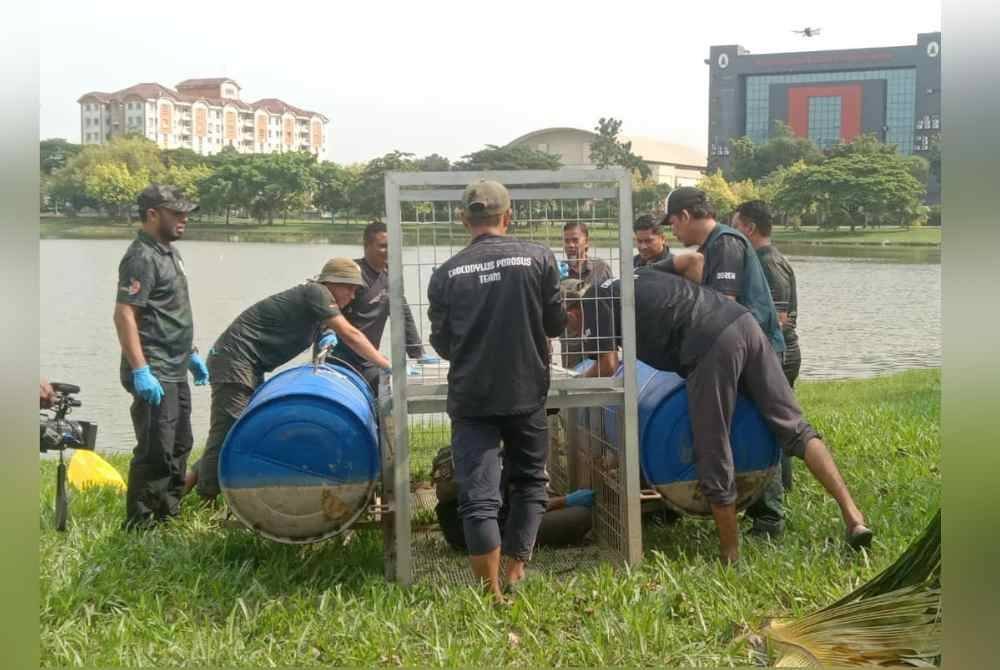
(86, 468)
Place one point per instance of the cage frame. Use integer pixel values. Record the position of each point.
(398, 399)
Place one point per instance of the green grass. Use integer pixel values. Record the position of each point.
(194, 593)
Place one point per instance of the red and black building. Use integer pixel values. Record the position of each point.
(828, 96)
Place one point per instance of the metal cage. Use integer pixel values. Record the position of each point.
(424, 229)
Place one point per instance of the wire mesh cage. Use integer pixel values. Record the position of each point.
(584, 216)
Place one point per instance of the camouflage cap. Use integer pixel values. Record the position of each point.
(483, 199)
(341, 271)
(573, 289)
(166, 196)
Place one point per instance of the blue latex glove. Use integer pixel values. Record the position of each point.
(328, 338)
(580, 498)
(563, 270)
(429, 359)
(198, 369)
(147, 386)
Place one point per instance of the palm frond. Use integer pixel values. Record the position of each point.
(893, 620)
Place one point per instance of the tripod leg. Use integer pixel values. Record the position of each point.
(62, 503)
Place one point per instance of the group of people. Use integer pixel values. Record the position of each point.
(343, 310)
(723, 317)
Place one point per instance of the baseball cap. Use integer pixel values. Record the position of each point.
(165, 195)
(341, 271)
(682, 198)
(483, 199)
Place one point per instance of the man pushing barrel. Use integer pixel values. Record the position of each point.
(717, 345)
(266, 336)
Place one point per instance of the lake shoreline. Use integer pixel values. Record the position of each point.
(54, 228)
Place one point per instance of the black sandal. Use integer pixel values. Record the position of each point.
(859, 537)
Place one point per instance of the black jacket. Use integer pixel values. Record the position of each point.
(493, 307)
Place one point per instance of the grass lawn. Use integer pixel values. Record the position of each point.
(197, 594)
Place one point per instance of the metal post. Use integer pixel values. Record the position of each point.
(630, 442)
(401, 466)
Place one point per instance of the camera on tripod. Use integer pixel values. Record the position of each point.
(58, 433)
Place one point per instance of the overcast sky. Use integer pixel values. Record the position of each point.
(446, 77)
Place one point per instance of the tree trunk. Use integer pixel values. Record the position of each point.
(227, 214)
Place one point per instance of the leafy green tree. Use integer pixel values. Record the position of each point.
(115, 187)
(54, 153)
(183, 157)
(648, 196)
(783, 148)
(334, 184)
(509, 157)
(852, 187)
(433, 163)
(229, 185)
(368, 192)
(608, 149)
(281, 182)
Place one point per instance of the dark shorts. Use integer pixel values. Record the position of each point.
(477, 456)
(741, 359)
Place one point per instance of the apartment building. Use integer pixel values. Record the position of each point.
(203, 115)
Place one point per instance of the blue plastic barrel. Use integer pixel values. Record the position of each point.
(301, 463)
(666, 454)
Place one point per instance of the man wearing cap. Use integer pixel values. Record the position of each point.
(369, 310)
(576, 245)
(266, 336)
(155, 329)
(492, 308)
(732, 268)
(650, 240)
(717, 345)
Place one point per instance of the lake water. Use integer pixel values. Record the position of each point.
(857, 316)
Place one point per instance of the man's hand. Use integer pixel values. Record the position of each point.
(580, 498)
(198, 369)
(327, 339)
(46, 394)
(147, 386)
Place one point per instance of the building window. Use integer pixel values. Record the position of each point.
(824, 120)
(935, 122)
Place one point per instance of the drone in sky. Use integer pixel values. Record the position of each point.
(808, 32)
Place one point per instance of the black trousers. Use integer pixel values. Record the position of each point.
(740, 359)
(477, 457)
(228, 402)
(159, 460)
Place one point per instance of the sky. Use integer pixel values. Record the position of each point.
(446, 77)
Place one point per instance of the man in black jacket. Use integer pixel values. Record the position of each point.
(493, 307)
(719, 348)
(369, 310)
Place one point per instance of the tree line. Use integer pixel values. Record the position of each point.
(861, 182)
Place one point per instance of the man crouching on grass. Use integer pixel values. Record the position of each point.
(717, 345)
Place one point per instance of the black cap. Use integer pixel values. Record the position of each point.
(164, 195)
(682, 198)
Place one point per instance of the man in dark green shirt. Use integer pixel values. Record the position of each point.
(590, 271)
(753, 219)
(155, 329)
(267, 335)
(732, 268)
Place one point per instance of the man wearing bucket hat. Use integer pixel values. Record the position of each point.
(155, 329)
(266, 336)
(717, 345)
(493, 307)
